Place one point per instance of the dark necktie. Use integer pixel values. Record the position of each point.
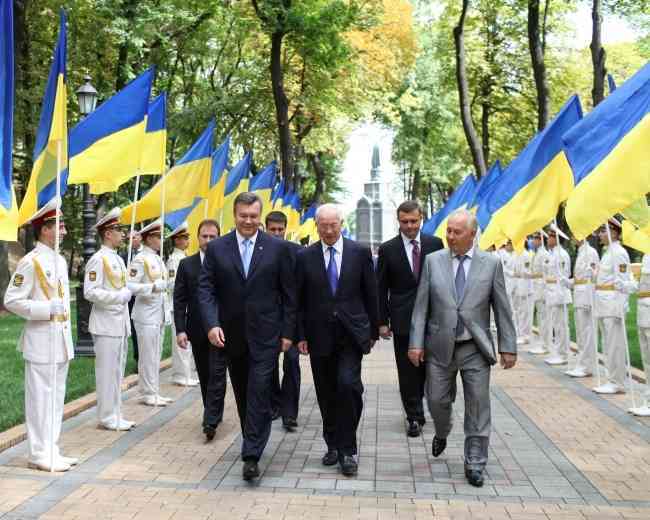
(460, 289)
(332, 270)
(415, 254)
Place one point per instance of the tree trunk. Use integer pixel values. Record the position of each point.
(122, 68)
(463, 96)
(416, 186)
(536, 47)
(281, 107)
(598, 55)
(319, 173)
(486, 110)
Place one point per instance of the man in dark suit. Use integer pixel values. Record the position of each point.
(286, 396)
(210, 361)
(398, 271)
(337, 324)
(247, 297)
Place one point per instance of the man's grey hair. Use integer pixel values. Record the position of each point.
(329, 208)
(470, 218)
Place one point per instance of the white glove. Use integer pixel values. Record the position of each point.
(125, 295)
(159, 286)
(56, 307)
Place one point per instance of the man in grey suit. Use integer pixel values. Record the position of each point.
(450, 332)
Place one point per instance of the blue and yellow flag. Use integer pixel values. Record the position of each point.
(461, 197)
(485, 185)
(609, 153)
(106, 146)
(535, 183)
(236, 183)
(262, 184)
(292, 207)
(154, 145)
(8, 206)
(51, 146)
(308, 225)
(278, 195)
(187, 180)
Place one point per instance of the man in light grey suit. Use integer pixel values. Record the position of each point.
(450, 332)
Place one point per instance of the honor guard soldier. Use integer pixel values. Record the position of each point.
(183, 369)
(557, 272)
(147, 279)
(507, 255)
(105, 287)
(39, 293)
(539, 294)
(523, 296)
(584, 275)
(612, 286)
(643, 323)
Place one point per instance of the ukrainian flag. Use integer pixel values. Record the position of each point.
(308, 225)
(198, 211)
(8, 206)
(292, 207)
(278, 195)
(539, 179)
(485, 185)
(154, 146)
(461, 197)
(51, 136)
(236, 183)
(609, 153)
(262, 184)
(106, 146)
(187, 180)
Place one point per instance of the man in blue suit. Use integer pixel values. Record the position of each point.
(338, 323)
(248, 305)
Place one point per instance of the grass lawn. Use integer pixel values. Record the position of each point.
(632, 333)
(81, 376)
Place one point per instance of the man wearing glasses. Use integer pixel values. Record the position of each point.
(105, 287)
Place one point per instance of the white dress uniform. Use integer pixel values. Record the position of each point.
(643, 324)
(183, 368)
(150, 314)
(539, 301)
(612, 285)
(46, 344)
(508, 263)
(584, 275)
(105, 287)
(523, 296)
(558, 268)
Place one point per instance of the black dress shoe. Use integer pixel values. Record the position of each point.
(209, 431)
(413, 429)
(349, 466)
(289, 423)
(330, 458)
(275, 414)
(438, 446)
(251, 470)
(474, 477)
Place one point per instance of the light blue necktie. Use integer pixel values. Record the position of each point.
(460, 289)
(332, 271)
(246, 255)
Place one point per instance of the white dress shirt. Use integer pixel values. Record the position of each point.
(465, 336)
(338, 258)
(408, 247)
(201, 255)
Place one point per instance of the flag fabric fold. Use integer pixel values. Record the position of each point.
(154, 144)
(609, 154)
(262, 184)
(462, 196)
(106, 147)
(51, 136)
(236, 183)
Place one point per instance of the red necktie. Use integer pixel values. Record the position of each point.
(416, 259)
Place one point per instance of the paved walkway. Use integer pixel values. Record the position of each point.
(558, 452)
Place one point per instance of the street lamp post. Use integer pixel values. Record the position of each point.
(87, 98)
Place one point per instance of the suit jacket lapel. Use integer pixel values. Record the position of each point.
(258, 251)
(405, 258)
(319, 259)
(448, 273)
(473, 274)
(345, 261)
(236, 256)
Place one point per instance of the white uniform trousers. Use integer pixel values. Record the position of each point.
(644, 344)
(613, 333)
(585, 340)
(544, 324)
(523, 315)
(39, 385)
(150, 339)
(183, 367)
(511, 300)
(110, 360)
(559, 325)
